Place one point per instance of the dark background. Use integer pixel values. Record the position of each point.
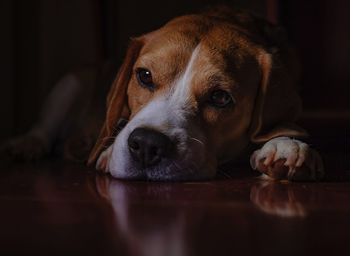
(41, 40)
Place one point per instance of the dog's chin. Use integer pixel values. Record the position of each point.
(171, 173)
(165, 171)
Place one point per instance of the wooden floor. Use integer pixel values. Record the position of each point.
(55, 208)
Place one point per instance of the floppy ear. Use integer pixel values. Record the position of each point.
(117, 106)
(277, 104)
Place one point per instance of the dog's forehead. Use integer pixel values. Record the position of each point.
(167, 51)
(175, 42)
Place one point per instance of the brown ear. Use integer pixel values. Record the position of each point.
(277, 104)
(116, 101)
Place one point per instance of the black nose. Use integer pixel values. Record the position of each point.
(148, 147)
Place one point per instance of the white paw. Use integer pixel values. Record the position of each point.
(102, 161)
(292, 154)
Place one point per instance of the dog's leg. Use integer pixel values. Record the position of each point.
(286, 158)
(38, 141)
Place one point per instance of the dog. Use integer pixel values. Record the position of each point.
(203, 90)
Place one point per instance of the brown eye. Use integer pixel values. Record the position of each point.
(220, 99)
(144, 77)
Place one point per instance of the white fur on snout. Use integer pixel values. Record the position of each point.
(168, 113)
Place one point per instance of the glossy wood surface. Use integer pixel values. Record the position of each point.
(54, 208)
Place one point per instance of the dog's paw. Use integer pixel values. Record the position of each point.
(102, 161)
(285, 158)
(25, 148)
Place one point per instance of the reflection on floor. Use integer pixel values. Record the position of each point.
(64, 209)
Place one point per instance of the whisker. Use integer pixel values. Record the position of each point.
(177, 166)
(167, 169)
(197, 140)
(192, 167)
(224, 173)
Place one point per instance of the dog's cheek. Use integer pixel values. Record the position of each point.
(210, 115)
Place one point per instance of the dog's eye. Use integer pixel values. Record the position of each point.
(220, 99)
(144, 77)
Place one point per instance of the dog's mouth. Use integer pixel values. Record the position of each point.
(174, 165)
(146, 153)
(170, 170)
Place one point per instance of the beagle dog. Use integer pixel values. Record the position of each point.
(201, 91)
(197, 93)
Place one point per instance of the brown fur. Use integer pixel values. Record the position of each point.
(238, 51)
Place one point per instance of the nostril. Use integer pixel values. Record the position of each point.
(134, 145)
(154, 151)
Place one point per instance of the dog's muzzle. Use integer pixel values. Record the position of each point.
(149, 147)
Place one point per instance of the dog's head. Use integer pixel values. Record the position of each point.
(196, 93)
